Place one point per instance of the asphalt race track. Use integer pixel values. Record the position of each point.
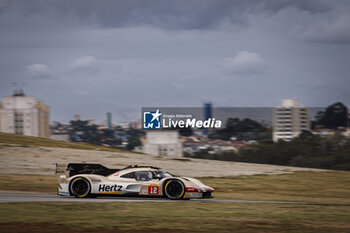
(25, 197)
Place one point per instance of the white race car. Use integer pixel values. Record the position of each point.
(89, 180)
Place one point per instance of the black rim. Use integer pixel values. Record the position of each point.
(80, 187)
(174, 189)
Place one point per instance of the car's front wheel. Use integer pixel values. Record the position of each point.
(80, 187)
(174, 189)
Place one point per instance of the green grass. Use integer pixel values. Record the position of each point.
(29, 183)
(173, 217)
(307, 186)
(321, 187)
(8, 139)
(316, 187)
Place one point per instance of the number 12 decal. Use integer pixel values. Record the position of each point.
(153, 190)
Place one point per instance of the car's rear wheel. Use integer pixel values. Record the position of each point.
(80, 187)
(174, 189)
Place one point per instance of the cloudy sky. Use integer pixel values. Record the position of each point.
(96, 56)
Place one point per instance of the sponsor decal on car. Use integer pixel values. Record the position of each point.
(110, 189)
(144, 190)
(63, 193)
(153, 190)
(196, 194)
(95, 180)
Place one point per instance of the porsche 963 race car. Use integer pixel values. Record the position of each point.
(89, 180)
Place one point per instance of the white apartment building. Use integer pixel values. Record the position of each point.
(25, 115)
(290, 120)
(163, 143)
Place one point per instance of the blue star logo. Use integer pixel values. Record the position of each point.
(152, 120)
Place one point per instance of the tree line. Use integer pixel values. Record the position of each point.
(307, 150)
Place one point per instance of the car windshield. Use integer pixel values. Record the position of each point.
(163, 174)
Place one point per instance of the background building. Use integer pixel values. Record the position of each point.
(109, 120)
(163, 143)
(26, 115)
(290, 120)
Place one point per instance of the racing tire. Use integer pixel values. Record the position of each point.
(174, 189)
(80, 187)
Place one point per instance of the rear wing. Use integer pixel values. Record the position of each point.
(72, 169)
